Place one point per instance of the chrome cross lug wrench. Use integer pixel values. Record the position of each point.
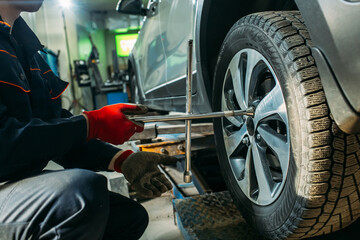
(187, 172)
(188, 116)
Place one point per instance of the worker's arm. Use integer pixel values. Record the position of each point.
(28, 146)
(108, 124)
(93, 155)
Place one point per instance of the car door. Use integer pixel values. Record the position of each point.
(177, 18)
(149, 56)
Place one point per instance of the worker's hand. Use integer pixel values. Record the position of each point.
(110, 123)
(142, 172)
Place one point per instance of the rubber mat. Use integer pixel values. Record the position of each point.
(212, 217)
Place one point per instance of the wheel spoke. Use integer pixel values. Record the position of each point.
(253, 58)
(263, 174)
(238, 166)
(235, 76)
(277, 142)
(271, 105)
(225, 107)
(247, 176)
(234, 140)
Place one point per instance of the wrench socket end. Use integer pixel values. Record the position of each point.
(187, 177)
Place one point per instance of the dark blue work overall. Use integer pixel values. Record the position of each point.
(35, 204)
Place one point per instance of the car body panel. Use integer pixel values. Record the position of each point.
(168, 91)
(177, 27)
(149, 57)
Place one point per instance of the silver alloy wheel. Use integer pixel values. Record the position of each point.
(258, 148)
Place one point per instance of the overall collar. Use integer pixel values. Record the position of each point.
(23, 35)
(4, 26)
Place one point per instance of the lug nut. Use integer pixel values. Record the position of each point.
(258, 137)
(245, 140)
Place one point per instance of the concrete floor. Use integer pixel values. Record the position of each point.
(161, 225)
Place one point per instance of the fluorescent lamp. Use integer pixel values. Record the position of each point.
(65, 3)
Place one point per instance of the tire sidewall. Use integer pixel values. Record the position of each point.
(134, 88)
(271, 217)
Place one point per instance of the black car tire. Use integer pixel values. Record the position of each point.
(320, 193)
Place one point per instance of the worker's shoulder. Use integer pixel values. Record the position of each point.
(9, 64)
(7, 53)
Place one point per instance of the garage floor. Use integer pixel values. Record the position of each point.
(162, 225)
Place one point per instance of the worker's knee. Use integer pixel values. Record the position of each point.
(79, 180)
(140, 219)
(83, 193)
(128, 219)
(69, 204)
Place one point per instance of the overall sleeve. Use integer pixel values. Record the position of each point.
(94, 155)
(28, 146)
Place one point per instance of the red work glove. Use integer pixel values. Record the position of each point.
(110, 123)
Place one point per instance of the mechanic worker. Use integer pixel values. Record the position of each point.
(73, 203)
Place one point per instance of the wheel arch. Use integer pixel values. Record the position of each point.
(131, 62)
(132, 68)
(216, 20)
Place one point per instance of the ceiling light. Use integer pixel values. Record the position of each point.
(65, 3)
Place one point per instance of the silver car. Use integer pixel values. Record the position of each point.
(291, 169)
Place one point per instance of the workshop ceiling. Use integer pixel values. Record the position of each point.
(98, 5)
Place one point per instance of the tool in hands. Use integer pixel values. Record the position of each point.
(167, 118)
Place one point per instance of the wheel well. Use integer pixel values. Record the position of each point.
(217, 19)
(130, 64)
